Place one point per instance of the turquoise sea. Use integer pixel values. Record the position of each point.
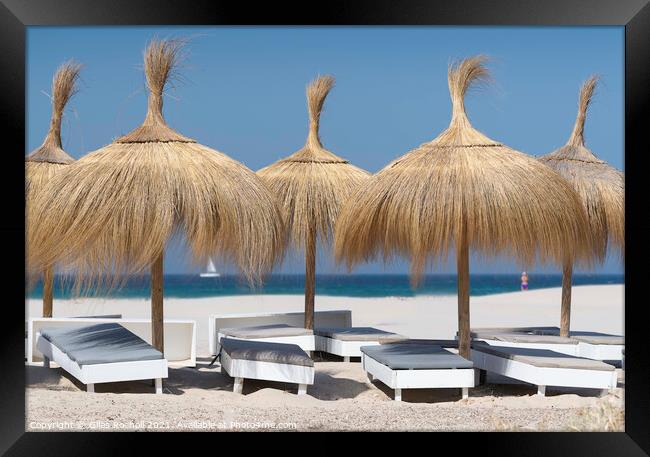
(191, 286)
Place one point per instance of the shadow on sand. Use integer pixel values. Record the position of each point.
(327, 386)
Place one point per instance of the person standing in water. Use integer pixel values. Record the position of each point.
(524, 281)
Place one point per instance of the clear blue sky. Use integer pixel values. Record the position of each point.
(243, 94)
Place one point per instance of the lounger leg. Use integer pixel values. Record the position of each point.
(371, 377)
(346, 359)
(46, 362)
(90, 388)
(302, 389)
(398, 394)
(465, 392)
(604, 392)
(482, 374)
(158, 382)
(239, 385)
(541, 390)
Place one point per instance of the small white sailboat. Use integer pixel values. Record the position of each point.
(211, 271)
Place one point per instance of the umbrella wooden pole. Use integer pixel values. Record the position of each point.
(48, 283)
(157, 331)
(565, 316)
(310, 277)
(462, 265)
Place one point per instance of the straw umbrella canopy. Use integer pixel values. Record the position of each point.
(312, 185)
(112, 212)
(601, 189)
(50, 158)
(464, 190)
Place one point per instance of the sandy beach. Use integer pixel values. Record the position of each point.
(341, 398)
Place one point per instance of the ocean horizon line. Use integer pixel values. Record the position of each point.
(350, 285)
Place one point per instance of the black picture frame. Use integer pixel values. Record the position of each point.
(634, 15)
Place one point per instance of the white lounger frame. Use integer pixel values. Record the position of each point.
(544, 376)
(345, 349)
(463, 378)
(266, 371)
(601, 351)
(306, 342)
(180, 335)
(103, 372)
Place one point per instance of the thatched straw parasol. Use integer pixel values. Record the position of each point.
(312, 185)
(50, 158)
(462, 189)
(601, 189)
(111, 212)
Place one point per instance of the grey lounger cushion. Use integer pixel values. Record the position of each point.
(262, 351)
(543, 358)
(413, 356)
(436, 342)
(534, 330)
(524, 338)
(585, 337)
(359, 334)
(265, 331)
(100, 343)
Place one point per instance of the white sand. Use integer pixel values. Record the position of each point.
(341, 398)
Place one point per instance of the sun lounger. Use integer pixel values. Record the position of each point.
(101, 353)
(28, 344)
(599, 346)
(346, 342)
(556, 343)
(272, 333)
(421, 365)
(180, 335)
(542, 367)
(246, 359)
(216, 322)
(591, 345)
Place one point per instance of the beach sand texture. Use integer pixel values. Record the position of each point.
(341, 398)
